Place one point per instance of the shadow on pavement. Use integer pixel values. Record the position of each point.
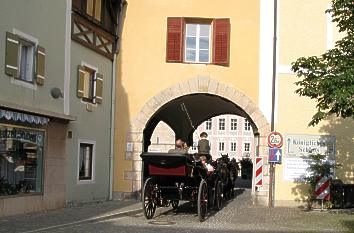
(191, 208)
(243, 183)
(349, 225)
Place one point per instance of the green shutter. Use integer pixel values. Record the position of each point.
(40, 74)
(80, 82)
(11, 55)
(99, 88)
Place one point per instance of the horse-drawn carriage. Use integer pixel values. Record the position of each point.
(171, 178)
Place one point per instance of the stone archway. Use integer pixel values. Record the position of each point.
(192, 86)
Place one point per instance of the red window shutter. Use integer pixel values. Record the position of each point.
(174, 42)
(221, 41)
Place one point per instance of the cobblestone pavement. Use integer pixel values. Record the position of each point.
(238, 215)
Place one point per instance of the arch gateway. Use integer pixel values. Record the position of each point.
(214, 89)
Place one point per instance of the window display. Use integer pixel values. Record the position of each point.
(21, 160)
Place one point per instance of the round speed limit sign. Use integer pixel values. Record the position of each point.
(275, 139)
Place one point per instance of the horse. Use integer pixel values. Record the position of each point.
(228, 172)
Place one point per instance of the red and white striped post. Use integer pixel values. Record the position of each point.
(322, 191)
(259, 172)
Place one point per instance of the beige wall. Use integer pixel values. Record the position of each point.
(142, 71)
(303, 32)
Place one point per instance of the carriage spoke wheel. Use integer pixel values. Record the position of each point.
(218, 196)
(174, 204)
(149, 205)
(202, 200)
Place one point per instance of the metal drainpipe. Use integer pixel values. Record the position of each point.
(113, 101)
(272, 166)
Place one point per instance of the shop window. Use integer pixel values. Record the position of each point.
(90, 85)
(21, 161)
(86, 161)
(24, 59)
(196, 40)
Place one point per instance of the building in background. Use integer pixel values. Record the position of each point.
(227, 134)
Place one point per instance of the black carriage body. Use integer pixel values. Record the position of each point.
(176, 176)
(170, 178)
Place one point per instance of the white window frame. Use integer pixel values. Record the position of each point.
(219, 121)
(219, 145)
(197, 49)
(244, 152)
(247, 126)
(233, 124)
(231, 148)
(28, 74)
(93, 143)
(30, 39)
(85, 64)
(208, 122)
(249, 147)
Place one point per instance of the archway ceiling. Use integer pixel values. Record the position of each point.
(199, 107)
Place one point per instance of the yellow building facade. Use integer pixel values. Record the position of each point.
(149, 81)
(305, 30)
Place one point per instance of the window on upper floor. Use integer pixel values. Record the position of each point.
(247, 125)
(233, 124)
(195, 40)
(93, 9)
(103, 13)
(24, 60)
(221, 124)
(90, 85)
(208, 124)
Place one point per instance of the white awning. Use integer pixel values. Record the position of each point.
(23, 117)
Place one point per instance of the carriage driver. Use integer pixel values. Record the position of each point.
(204, 146)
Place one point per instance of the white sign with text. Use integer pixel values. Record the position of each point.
(295, 169)
(297, 149)
(303, 145)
